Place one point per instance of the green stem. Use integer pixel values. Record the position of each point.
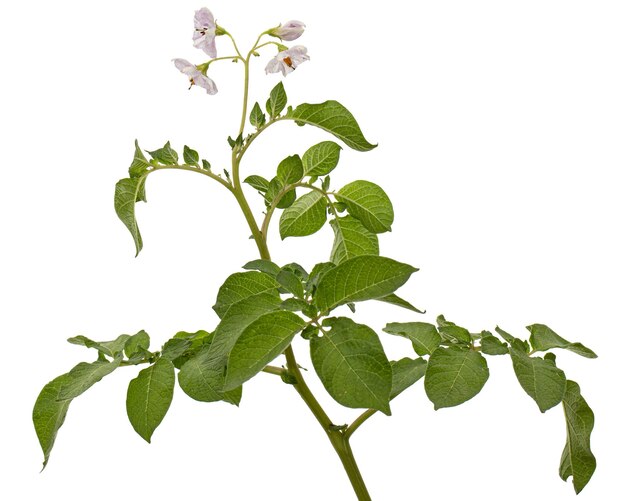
(359, 421)
(192, 168)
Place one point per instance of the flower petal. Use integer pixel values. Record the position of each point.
(204, 19)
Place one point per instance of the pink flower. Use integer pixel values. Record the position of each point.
(196, 77)
(287, 60)
(204, 34)
(289, 31)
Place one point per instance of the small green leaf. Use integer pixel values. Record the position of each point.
(491, 345)
(359, 279)
(406, 372)
(190, 156)
(258, 183)
(127, 192)
(306, 216)
(277, 101)
(424, 337)
(509, 338)
(540, 378)
(257, 117)
(543, 338)
(140, 164)
(332, 117)
(276, 187)
(577, 459)
(316, 274)
(294, 304)
(351, 239)
(165, 155)
(260, 343)
(84, 376)
(149, 397)
(264, 266)
(291, 283)
(368, 203)
(321, 158)
(136, 343)
(398, 301)
(352, 365)
(242, 285)
(290, 170)
(206, 165)
(454, 375)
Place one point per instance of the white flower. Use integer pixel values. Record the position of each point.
(204, 34)
(196, 77)
(287, 60)
(288, 31)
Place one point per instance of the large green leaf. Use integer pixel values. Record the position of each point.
(543, 338)
(333, 117)
(577, 459)
(277, 101)
(321, 159)
(424, 336)
(242, 285)
(406, 372)
(128, 191)
(49, 414)
(351, 239)
(149, 397)
(306, 216)
(352, 365)
(85, 375)
(454, 375)
(359, 279)
(260, 343)
(539, 377)
(368, 203)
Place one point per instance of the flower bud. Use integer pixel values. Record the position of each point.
(288, 31)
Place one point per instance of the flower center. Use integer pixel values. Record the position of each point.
(287, 60)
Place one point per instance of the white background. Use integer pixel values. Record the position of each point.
(500, 127)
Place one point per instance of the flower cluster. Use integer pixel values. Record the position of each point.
(205, 32)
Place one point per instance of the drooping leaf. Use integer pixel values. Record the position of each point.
(491, 345)
(290, 282)
(543, 338)
(539, 377)
(406, 372)
(290, 170)
(577, 459)
(333, 117)
(424, 336)
(128, 191)
(264, 266)
(359, 279)
(351, 239)
(257, 117)
(258, 183)
(306, 216)
(454, 375)
(140, 164)
(260, 343)
(136, 343)
(190, 156)
(149, 397)
(165, 155)
(398, 301)
(321, 159)
(368, 203)
(49, 414)
(351, 363)
(242, 285)
(85, 375)
(277, 101)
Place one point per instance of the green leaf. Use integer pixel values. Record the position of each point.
(277, 101)
(257, 117)
(258, 183)
(352, 365)
(190, 156)
(206, 165)
(424, 337)
(540, 378)
(406, 372)
(175, 348)
(264, 266)
(294, 304)
(321, 158)
(316, 275)
(149, 397)
(109, 348)
(577, 459)
(491, 345)
(85, 375)
(289, 281)
(128, 191)
(165, 155)
(398, 301)
(332, 117)
(351, 239)
(543, 338)
(306, 216)
(260, 343)
(359, 279)
(368, 203)
(49, 414)
(290, 170)
(140, 164)
(454, 375)
(242, 285)
(137, 343)
(286, 199)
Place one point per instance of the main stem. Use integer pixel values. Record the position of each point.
(336, 434)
